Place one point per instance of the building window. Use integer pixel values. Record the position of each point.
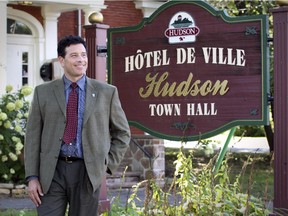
(17, 27)
(24, 68)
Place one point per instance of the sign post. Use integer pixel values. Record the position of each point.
(190, 72)
(280, 41)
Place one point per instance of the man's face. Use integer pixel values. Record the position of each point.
(75, 62)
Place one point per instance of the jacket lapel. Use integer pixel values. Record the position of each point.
(91, 97)
(60, 96)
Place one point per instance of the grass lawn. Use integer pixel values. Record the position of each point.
(13, 212)
(258, 177)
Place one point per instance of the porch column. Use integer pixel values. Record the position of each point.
(96, 35)
(51, 31)
(3, 46)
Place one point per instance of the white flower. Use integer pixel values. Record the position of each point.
(15, 139)
(19, 146)
(26, 90)
(26, 115)
(3, 116)
(7, 124)
(12, 171)
(18, 104)
(10, 106)
(19, 115)
(4, 158)
(13, 156)
(1, 136)
(9, 88)
(5, 176)
(18, 128)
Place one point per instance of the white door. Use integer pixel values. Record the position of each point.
(19, 65)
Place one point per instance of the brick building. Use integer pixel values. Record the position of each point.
(30, 31)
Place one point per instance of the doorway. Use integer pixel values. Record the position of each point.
(25, 49)
(19, 65)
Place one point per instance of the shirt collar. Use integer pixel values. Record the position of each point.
(81, 82)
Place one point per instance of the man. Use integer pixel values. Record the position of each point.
(67, 153)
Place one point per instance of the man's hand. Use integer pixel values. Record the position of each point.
(35, 191)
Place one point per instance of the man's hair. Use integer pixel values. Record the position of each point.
(66, 42)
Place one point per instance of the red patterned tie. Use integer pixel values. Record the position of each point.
(71, 116)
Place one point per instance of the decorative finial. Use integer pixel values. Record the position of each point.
(282, 2)
(96, 17)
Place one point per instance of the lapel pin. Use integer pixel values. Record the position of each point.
(93, 95)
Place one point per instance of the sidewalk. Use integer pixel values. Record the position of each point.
(115, 196)
(15, 203)
(237, 144)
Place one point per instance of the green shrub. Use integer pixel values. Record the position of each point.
(250, 131)
(13, 117)
(202, 193)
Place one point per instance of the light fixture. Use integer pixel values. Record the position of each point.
(27, 3)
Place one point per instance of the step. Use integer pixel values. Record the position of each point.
(126, 174)
(123, 185)
(117, 180)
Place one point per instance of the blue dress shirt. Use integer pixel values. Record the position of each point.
(75, 150)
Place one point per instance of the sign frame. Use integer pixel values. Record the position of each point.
(227, 19)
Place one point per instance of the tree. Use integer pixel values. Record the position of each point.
(247, 8)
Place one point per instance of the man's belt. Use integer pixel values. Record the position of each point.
(69, 159)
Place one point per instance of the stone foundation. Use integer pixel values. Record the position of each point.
(147, 156)
(12, 190)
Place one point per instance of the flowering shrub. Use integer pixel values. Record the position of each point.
(13, 118)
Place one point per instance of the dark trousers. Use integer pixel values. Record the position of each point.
(70, 187)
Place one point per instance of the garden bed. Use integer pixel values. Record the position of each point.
(258, 166)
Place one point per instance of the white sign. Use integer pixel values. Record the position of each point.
(182, 29)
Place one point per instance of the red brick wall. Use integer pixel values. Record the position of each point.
(121, 13)
(68, 24)
(117, 14)
(34, 11)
